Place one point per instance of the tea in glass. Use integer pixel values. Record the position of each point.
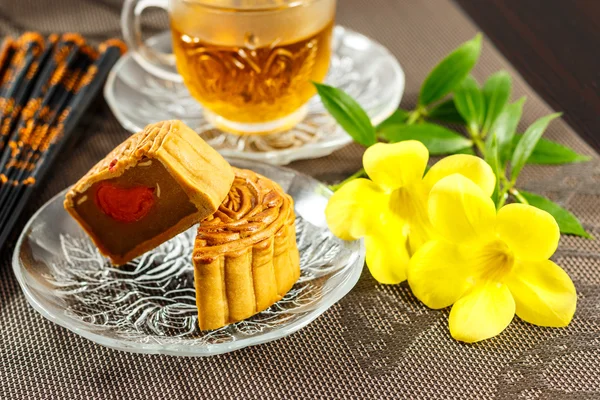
(251, 63)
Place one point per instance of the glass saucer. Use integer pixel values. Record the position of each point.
(148, 305)
(360, 66)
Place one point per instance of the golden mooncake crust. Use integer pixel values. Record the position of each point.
(201, 172)
(245, 254)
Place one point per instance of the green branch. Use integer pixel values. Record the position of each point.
(361, 173)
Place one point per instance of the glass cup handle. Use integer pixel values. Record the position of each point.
(157, 63)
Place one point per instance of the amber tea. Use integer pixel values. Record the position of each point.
(247, 84)
(252, 68)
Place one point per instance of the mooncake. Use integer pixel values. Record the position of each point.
(245, 254)
(153, 186)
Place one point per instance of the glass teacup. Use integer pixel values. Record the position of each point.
(250, 63)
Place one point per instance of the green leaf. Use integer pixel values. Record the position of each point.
(547, 152)
(437, 139)
(493, 159)
(528, 143)
(446, 112)
(450, 71)
(567, 222)
(496, 92)
(466, 150)
(398, 117)
(348, 113)
(505, 127)
(469, 102)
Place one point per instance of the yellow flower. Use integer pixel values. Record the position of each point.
(390, 210)
(489, 264)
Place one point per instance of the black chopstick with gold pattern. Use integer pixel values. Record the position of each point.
(45, 87)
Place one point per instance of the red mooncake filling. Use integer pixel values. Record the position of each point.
(153, 186)
(134, 207)
(125, 204)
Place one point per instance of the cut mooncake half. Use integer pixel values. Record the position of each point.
(153, 186)
(245, 254)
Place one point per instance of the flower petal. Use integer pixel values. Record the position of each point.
(483, 313)
(353, 208)
(532, 234)
(543, 292)
(387, 252)
(438, 274)
(410, 204)
(468, 166)
(396, 165)
(387, 261)
(460, 211)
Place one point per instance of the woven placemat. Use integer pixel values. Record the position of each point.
(379, 341)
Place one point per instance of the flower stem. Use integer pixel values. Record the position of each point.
(502, 199)
(518, 196)
(508, 187)
(417, 115)
(358, 174)
(505, 186)
(477, 140)
(413, 117)
(479, 144)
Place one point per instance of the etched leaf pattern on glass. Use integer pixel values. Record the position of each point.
(152, 299)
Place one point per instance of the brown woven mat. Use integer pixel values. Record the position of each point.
(378, 342)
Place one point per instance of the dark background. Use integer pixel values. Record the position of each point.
(555, 45)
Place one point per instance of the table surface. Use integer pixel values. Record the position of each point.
(554, 45)
(379, 341)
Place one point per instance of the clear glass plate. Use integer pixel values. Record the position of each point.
(360, 66)
(148, 305)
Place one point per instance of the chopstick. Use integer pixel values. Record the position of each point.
(39, 100)
(65, 87)
(7, 49)
(20, 76)
(16, 170)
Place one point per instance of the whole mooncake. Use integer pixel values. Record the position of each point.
(245, 254)
(153, 186)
